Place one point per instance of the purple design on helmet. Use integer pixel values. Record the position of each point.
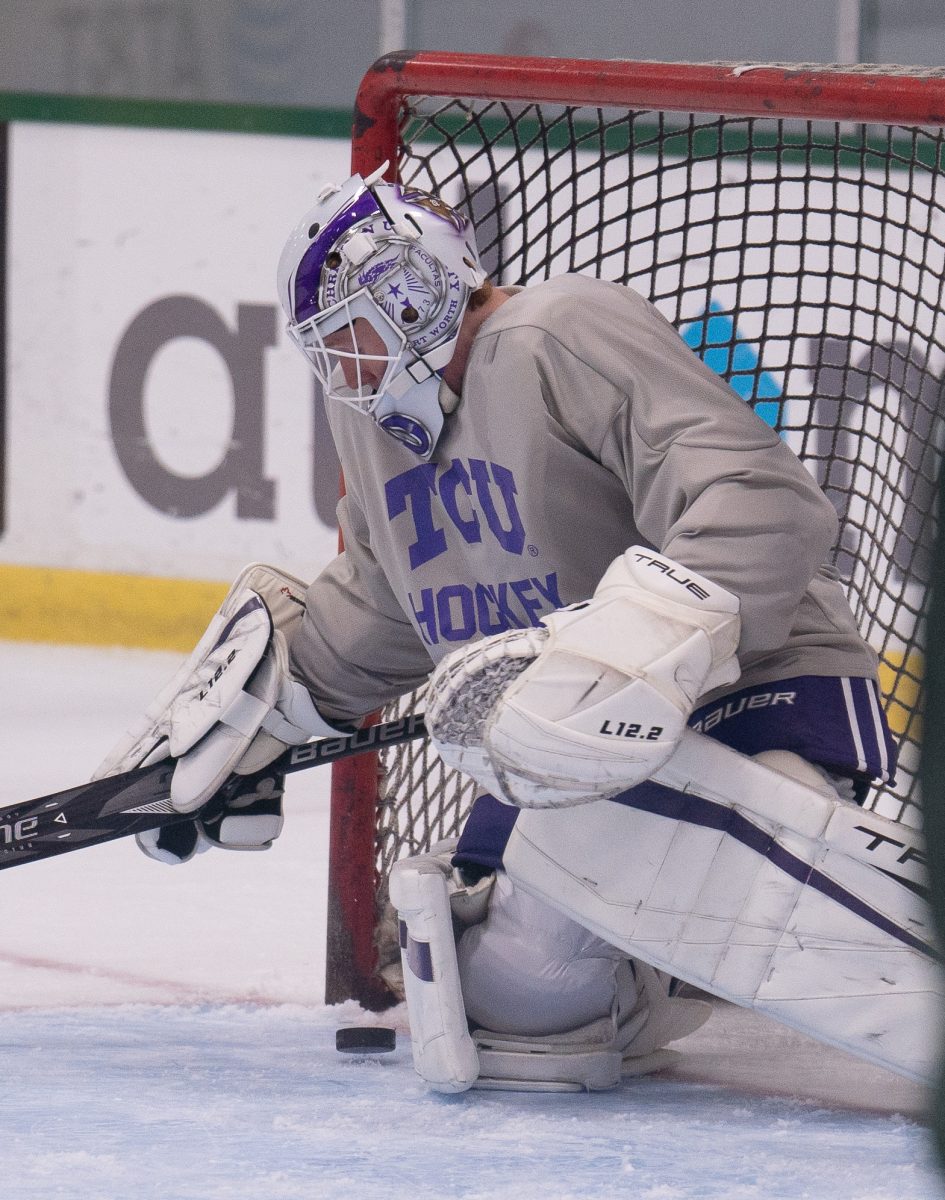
(434, 205)
(366, 278)
(308, 275)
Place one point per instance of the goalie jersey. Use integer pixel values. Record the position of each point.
(585, 426)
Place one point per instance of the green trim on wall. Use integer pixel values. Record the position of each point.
(707, 137)
(175, 114)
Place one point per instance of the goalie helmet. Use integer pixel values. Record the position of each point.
(404, 262)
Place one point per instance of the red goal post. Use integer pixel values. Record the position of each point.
(790, 220)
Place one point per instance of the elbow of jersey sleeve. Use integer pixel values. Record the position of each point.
(765, 626)
(337, 715)
(771, 586)
(823, 530)
(770, 616)
(331, 682)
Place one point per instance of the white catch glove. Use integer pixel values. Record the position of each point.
(594, 700)
(231, 708)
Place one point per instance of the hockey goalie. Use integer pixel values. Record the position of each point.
(612, 574)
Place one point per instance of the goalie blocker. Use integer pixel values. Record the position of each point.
(232, 707)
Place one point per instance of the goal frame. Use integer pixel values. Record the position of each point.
(859, 94)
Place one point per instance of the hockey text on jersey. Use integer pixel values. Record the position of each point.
(460, 612)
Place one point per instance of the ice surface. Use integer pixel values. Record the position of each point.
(162, 1034)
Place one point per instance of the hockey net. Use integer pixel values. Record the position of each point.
(789, 221)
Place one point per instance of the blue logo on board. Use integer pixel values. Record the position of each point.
(721, 346)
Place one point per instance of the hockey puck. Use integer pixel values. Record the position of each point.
(365, 1039)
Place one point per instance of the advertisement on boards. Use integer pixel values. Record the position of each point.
(159, 421)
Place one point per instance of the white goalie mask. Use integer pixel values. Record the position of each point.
(374, 281)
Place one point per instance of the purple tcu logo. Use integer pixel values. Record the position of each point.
(470, 493)
(372, 273)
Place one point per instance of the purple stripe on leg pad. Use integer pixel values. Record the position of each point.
(664, 801)
(416, 954)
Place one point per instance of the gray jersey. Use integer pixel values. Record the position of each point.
(585, 426)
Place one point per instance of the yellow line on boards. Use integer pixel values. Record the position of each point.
(900, 679)
(50, 604)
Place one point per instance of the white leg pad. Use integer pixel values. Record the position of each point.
(443, 1052)
(758, 888)
(568, 1012)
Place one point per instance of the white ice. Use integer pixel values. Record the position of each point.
(163, 1034)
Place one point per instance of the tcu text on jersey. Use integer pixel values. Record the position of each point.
(477, 499)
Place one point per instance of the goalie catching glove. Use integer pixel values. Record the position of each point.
(231, 708)
(594, 700)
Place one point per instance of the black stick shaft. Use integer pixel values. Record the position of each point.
(121, 805)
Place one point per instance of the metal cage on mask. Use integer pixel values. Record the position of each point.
(375, 302)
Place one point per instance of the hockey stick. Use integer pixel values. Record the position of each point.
(136, 800)
(121, 805)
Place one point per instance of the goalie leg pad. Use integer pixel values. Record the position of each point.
(444, 1054)
(552, 1007)
(757, 888)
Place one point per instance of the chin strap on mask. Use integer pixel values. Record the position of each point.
(410, 409)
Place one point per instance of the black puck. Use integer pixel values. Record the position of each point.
(365, 1039)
